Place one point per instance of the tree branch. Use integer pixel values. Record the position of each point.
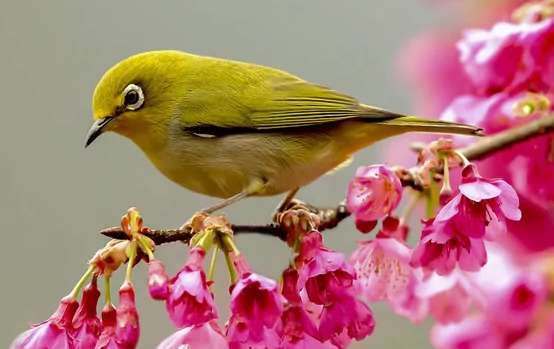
(486, 146)
(331, 217)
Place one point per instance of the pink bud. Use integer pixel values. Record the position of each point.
(107, 338)
(86, 324)
(128, 328)
(56, 332)
(157, 280)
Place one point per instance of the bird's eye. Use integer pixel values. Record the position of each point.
(133, 97)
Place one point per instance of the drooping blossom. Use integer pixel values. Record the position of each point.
(383, 273)
(471, 333)
(479, 202)
(513, 307)
(256, 306)
(56, 332)
(297, 329)
(509, 56)
(158, 281)
(442, 247)
(108, 339)
(127, 330)
(86, 324)
(190, 301)
(372, 194)
(447, 298)
(205, 336)
(326, 279)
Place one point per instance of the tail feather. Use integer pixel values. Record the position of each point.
(413, 123)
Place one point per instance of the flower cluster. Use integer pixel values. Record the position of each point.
(492, 280)
(510, 71)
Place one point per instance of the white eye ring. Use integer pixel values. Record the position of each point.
(133, 97)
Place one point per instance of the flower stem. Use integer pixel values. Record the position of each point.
(107, 290)
(462, 157)
(132, 253)
(230, 244)
(82, 281)
(432, 197)
(145, 248)
(410, 207)
(446, 188)
(211, 268)
(231, 267)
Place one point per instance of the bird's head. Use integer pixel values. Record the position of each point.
(138, 95)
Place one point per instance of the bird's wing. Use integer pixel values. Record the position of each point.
(232, 97)
(297, 103)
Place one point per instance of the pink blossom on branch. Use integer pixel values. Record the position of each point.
(56, 332)
(108, 339)
(86, 324)
(189, 300)
(256, 306)
(479, 202)
(372, 194)
(383, 273)
(326, 280)
(442, 247)
(128, 327)
(158, 281)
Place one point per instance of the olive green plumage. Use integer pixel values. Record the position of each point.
(223, 127)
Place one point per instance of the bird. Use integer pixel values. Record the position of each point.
(231, 129)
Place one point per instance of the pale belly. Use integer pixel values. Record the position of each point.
(225, 166)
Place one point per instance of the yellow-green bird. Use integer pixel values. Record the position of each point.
(231, 129)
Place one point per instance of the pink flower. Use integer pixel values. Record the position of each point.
(158, 281)
(56, 332)
(86, 324)
(383, 273)
(442, 247)
(290, 286)
(205, 336)
(297, 329)
(509, 56)
(325, 274)
(327, 280)
(346, 315)
(448, 298)
(472, 333)
(256, 306)
(524, 165)
(514, 307)
(373, 193)
(108, 338)
(128, 328)
(190, 301)
(382, 269)
(478, 202)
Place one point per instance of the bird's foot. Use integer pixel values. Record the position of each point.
(297, 218)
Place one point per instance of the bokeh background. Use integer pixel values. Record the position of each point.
(55, 195)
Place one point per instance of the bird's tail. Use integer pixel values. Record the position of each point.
(417, 124)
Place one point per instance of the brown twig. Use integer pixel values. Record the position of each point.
(331, 217)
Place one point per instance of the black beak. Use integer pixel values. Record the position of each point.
(97, 128)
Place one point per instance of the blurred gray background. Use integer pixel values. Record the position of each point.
(55, 195)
